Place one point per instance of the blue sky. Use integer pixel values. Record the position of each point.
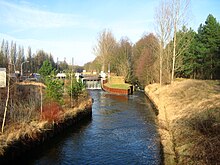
(70, 28)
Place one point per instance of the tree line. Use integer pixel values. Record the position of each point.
(14, 55)
(161, 57)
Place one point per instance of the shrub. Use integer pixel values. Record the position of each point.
(51, 112)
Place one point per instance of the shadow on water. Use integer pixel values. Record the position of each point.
(48, 145)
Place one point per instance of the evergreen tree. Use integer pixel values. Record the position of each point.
(54, 90)
(186, 59)
(46, 70)
(207, 49)
(202, 60)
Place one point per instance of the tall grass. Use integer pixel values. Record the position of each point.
(24, 112)
(202, 131)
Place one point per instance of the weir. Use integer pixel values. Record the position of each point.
(92, 82)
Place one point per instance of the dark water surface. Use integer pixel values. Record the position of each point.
(122, 131)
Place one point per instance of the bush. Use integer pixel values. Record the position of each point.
(51, 112)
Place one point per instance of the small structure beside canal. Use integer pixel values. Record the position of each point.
(117, 85)
(112, 84)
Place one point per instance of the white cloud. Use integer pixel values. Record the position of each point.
(25, 16)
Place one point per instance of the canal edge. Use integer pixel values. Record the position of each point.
(17, 148)
(167, 150)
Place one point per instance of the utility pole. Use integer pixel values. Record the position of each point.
(71, 93)
(22, 67)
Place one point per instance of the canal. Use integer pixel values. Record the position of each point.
(122, 131)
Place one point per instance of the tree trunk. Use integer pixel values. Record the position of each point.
(161, 63)
(174, 55)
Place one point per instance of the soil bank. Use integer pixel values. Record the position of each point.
(188, 120)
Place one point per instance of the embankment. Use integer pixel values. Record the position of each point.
(118, 90)
(188, 120)
(117, 85)
(17, 142)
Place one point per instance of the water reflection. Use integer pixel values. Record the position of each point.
(118, 98)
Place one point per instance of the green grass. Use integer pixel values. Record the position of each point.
(118, 86)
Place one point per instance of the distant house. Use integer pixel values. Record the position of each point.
(61, 75)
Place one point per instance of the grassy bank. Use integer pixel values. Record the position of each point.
(118, 86)
(32, 127)
(189, 120)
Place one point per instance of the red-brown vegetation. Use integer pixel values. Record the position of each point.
(51, 112)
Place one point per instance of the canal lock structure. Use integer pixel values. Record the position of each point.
(122, 131)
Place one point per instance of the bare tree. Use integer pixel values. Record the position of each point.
(105, 47)
(179, 14)
(171, 16)
(163, 30)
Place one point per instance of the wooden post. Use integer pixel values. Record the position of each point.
(7, 99)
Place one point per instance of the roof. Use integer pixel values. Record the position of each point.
(61, 75)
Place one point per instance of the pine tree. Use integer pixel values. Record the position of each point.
(186, 59)
(208, 40)
(46, 69)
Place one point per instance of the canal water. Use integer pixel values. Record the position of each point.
(122, 131)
